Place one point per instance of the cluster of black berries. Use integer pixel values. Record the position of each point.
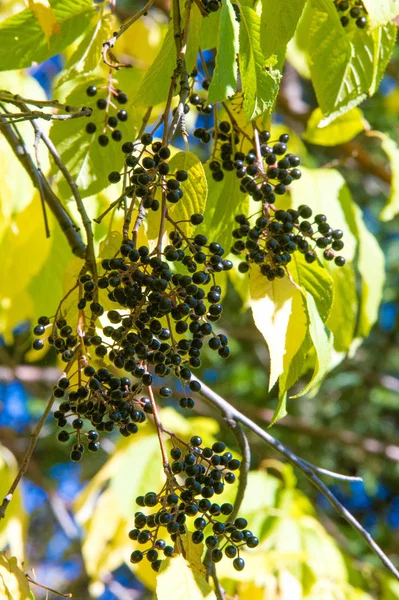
(105, 401)
(148, 170)
(108, 124)
(276, 234)
(159, 325)
(60, 336)
(352, 10)
(196, 475)
(264, 181)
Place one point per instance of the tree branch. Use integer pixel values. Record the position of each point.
(228, 412)
(40, 183)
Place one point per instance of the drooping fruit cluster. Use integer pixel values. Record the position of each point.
(197, 474)
(103, 401)
(110, 115)
(159, 325)
(352, 11)
(276, 234)
(148, 170)
(262, 180)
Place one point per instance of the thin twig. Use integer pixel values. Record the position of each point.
(37, 114)
(244, 467)
(109, 44)
(331, 473)
(229, 412)
(40, 182)
(45, 587)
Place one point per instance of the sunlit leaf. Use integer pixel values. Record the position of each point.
(259, 84)
(277, 26)
(345, 69)
(23, 36)
(224, 80)
(341, 130)
(13, 582)
(45, 16)
(187, 584)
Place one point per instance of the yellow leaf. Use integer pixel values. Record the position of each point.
(391, 149)
(13, 529)
(45, 16)
(13, 582)
(186, 582)
(341, 130)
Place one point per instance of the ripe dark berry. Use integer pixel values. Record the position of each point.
(146, 139)
(340, 261)
(114, 177)
(122, 115)
(101, 103)
(91, 128)
(91, 91)
(38, 344)
(238, 564)
(122, 98)
(103, 140)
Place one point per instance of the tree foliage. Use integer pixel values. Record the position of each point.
(158, 156)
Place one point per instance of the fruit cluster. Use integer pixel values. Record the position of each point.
(197, 474)
(352, 10)
(148, 170)
(159, 325)
(263, 177)
(108, 124)
(277, 234)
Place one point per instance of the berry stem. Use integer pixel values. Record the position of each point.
(159, 428)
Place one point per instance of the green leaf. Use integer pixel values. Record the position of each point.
(155, 85)
(184, 580)
(209, 32)
(341, 130)
(345, 69)
(297, 46)
(195, 191)
(224, 80)
(87, 161)
(26, 42)
(87, 56)
(277, 25)
(259, 84)
(371, 266)
(381, 11)
(316, 280)
(391, 149)
(225, 200)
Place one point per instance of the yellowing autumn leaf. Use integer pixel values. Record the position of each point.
(13, 582)
(45, 16)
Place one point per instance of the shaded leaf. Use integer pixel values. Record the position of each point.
(391, 149)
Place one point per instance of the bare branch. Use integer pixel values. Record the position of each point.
(231, 413)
